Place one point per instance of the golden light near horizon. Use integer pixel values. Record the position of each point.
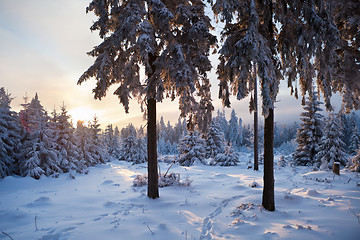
(84, 114)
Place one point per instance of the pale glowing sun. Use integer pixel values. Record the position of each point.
(82, 113)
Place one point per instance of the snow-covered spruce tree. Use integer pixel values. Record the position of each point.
(331, 148)
(127, 131)
(191, 149)
(9, 136)
(309, 134)
(66, 144)
(354, 141)
(347, 129)
(89, 143)
(240, 139)
(233, 128)
(133, 148)
(127, 150)
(214, 140)
(111, 139)
(228, 158)
(247, 135)
(161, 129)
(38, 154)
(97, 149)
(250, 44)
(325, 48)
(354, 163)
(166, 147)
(140, 145)
(220, 119)
(171, 40)
(180, 129)
(347, 67)
(83, 142)
(167, 142)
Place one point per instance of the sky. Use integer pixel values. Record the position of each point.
(43, 47)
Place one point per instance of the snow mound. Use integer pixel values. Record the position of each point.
(40, 202)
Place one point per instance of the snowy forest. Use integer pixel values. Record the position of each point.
(36, 143)
(219, 177)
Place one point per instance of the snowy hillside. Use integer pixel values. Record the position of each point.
(220, 203)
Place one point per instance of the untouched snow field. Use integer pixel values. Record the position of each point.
(220, 203)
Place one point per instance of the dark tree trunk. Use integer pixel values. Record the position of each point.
(153, 177)
(153, 189)
(256, 139)
(268, 201)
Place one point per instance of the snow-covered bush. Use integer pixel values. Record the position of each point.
(191, 149)
(281, 162)
(170, 179)
(354, 163)
(228, 158)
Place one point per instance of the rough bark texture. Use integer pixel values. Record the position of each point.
(256, 139)
(268, 201)
(153, 189)
(153, 177)
(336, 168)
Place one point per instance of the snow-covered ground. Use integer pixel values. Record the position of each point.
(220, 203)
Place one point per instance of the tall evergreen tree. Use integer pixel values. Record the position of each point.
(66, 144)
(214, 140)
(249, 43)
(240, 138)
(172, 41)
(9, 135)
(320, 39)
(97, 149)
(331, 148)
(233, 128)
(133, 148)
(220, 119)
(38, 155)
(111, 139)
(309, 134)
(89, 143)
(127, 131)
(354, 141)
(180, 129)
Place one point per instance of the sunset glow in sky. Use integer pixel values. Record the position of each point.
(43, 47)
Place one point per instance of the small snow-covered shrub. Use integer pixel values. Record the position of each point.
(228, 158)
(173, 179)
(354, 163)
(281, 162)
(140, 180)
(170, 179)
